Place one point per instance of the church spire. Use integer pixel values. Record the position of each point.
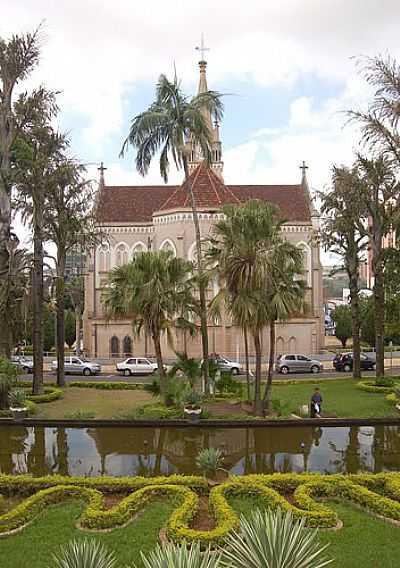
(216, 147)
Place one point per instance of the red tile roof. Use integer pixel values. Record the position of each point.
(129, 204)
(208, 191)
(136, 204)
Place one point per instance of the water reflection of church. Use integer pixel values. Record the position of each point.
(149, 451)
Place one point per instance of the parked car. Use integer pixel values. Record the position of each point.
(78, 366)
(293, 363)
(227, 365)
(26, 365)
(344, 362)
(136, 366)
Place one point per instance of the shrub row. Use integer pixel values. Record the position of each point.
(104, 385)
(370, 386)
(31, 406)
(377, 493)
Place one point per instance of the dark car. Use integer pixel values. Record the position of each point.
(344, 362)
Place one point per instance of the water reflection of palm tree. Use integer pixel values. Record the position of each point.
(37, 459)
(62, 452)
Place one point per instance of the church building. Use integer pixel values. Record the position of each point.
(141, 218)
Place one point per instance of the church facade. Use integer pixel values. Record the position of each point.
(141, 218)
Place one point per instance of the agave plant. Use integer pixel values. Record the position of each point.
(181, 556)
(84, 554)
(272, 539)
(210, 460)
(17, 398)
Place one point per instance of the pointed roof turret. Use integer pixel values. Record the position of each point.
(209, 191)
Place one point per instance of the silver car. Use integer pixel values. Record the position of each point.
(79, 366)
(226, 365)
(136, 366)
(294, 363)
(26, 365)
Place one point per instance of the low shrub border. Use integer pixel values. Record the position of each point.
(370, 386)
(51, 392)
(378, 494)
(104, 385)
(31, 406)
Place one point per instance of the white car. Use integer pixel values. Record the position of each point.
(78, 366)
(136, 366)
(26, 365)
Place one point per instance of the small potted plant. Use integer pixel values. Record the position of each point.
(192, 409)
(18, 404)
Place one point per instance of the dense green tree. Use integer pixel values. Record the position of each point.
(251, 257)
(285, 297)
(343, 208)
(18, 57)
(70, 224)
(150, 290)
(341, 315)
(37, 152)
(165, 129)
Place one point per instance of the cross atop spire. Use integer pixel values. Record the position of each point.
(102, 169)
(304, 169)
(202, 48)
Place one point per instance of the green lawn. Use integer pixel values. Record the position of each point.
(34, 546)
(340, 398)
(364, 541)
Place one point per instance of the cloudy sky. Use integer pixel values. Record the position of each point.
(289, 68)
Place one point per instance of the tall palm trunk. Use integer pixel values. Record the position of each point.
(202, 286)
(5, 224)
(160, 364)
(379, 303)
(37, 293)
(246, 355)
(257, 405)
(355, 324)
(78, 317)
(60, 303)
(268, 386)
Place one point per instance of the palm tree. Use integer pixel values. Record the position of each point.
(166, 127)
(151, 290)
(243, 249)
(18, 57)
(285, 297)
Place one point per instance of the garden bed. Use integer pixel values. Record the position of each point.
(187, 508)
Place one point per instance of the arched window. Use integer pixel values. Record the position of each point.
(114, 346)
(121, 254)
(127, 345)
(138, 247)
(280, 346)
(168, 245)
(306, 250)
(104, 257)
(292, 345)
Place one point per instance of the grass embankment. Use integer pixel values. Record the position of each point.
(363, 541)
(341, 398)
(91, 403)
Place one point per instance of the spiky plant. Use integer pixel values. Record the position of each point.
(272, 539)
(17, 398)
(181, 556)
(84, 554)
(210, 460)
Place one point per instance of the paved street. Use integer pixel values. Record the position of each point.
(326, 374)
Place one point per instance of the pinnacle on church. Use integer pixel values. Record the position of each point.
(101, 169)
(196, 157)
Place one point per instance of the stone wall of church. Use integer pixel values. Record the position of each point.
(175, 231)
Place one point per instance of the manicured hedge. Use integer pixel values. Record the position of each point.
(31, 406)
(370, 386)
(103, 385)
(379, 494)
